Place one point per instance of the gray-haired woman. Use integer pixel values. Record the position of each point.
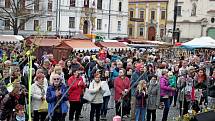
(153, 98)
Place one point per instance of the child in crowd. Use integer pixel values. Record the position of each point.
(141, 95)
(172, 83)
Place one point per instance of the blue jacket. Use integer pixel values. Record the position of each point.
(52, 99)
(134, 78)
(114, 74)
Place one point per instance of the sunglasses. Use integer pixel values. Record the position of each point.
(56, 78)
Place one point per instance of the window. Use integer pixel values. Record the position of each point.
(36, 5)
(99, 24)
(152, 15)
(163, 15)
(86, 3)
(141, 31)
(99, 4)
(142, 14)
(49, 25)
(193, 13)
(7, 24)
(22, 24)
(120, 6)
(130, 32)
(161, 33)
(50, 6)
(36, 24)
(119, 26)
(178, 10)
(72, 3)
(7, 3)
(131, 14)
(71, 22)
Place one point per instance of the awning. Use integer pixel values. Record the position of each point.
(11, 38)
(113, 45)
(44, 42)
(79, 45)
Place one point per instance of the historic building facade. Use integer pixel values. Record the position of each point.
(108, 18)
(195, 18)
(147, 19)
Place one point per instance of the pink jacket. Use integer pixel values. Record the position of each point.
(165, 89)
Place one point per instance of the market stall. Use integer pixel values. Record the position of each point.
(202, 42)
(6, 39)
(66, 46)
(113, 45)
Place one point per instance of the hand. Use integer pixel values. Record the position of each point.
(58, 93)
(173, 89)
(43, 98)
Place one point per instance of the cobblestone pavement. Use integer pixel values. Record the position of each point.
(111, 112)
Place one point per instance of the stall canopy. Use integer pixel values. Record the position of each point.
(11, 38)
(44, 42)
(78, 45)
(113, 45)
(202, 42)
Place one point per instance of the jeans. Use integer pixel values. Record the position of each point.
(149, 113)
(39, 116)
(75, 108)
(166, 108)
(104, 107)
(133, 102)
(95, 108)
(142, 111)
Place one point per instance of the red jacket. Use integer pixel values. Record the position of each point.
(76, 90)
(119, 86)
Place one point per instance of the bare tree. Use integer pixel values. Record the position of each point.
(19, 12)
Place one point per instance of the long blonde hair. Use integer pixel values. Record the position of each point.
(140, 86)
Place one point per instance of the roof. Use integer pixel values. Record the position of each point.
(44, 42)
(134, 1)
(77, 45)
(113, 45)
(10, 38)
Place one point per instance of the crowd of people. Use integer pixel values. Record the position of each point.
(140, 82)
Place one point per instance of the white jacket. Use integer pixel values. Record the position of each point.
(105, 87)
(36, 93)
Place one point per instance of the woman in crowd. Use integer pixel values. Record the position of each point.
(66, 69)
(106, 97)
(211, 91)
(58, 70)
(121, 87)
(141, 96)
(9, 102)
(201, 81)
(165, 90)
(75, 93)
(153, 100)
(54, 93)
(96, 103)
(184, 85)
(39, 89)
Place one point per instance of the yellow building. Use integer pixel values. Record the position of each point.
(147, 19)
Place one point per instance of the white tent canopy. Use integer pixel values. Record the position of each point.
(202, 42)
(10, 38)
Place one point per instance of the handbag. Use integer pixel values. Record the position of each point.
(88, 96)
(43, 106)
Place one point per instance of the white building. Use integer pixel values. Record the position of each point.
(107, 18)
(195, 18)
